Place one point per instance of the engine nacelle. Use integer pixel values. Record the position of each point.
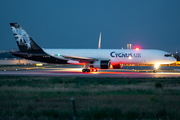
(117, 66)
(101, 64)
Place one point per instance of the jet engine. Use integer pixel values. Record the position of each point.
(101, 64)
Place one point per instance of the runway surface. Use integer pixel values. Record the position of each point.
(71, 71)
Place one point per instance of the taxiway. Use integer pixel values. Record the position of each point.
(71, 71)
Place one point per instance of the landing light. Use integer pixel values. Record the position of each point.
(130, 57)
(157, 66)
(136, 48)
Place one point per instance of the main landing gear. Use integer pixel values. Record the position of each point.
(90, 70)
(86, 68)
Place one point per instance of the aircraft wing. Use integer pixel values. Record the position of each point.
(80, 59)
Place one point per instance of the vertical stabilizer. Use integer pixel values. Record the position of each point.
(24, 41)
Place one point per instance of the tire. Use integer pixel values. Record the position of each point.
(88, 70)
(83, 70)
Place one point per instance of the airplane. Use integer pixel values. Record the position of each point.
(92, 59)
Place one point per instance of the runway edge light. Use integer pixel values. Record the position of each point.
(38, 64)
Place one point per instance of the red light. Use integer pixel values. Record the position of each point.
(137, 48)
(95, 69)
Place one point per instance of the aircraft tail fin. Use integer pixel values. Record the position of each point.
(24, 41)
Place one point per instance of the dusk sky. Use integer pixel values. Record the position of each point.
(150, 24)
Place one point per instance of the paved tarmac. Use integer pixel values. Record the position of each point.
(71, 71)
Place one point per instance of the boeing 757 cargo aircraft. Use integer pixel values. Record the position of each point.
(92, 59)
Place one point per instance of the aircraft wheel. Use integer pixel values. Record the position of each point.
(86, 70)
(154, 71)
(83, 70)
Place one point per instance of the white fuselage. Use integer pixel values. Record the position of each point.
(117, 56)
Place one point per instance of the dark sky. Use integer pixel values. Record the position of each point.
(150, 24)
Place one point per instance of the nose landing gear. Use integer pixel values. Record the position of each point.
(154, 71)
(156, 66)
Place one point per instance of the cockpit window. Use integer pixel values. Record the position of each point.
(168, 55)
